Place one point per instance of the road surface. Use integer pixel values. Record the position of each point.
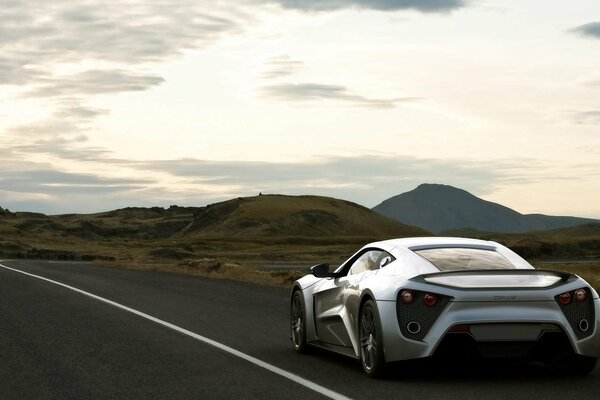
(58, 343)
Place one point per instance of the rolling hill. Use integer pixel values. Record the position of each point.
(440, 208)
(581, 242)
(279, 216)
(269, 226)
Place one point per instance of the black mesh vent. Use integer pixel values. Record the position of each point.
(575, 311)
(418, 312)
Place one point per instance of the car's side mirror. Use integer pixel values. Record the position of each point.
(322, 271)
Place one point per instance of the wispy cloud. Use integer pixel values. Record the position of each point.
(386, 5)
(35, 186)
(64, 53)
(364, 178)
(133, 32)
(587, 117)
(48, 48)
(280, 66)
(591, 29)
(94, 82)
(304, 92)
(283, 66)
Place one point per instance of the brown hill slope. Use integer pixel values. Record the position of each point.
(582, 241)
(294, 216)
(262, 227)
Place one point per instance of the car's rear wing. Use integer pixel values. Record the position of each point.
(496, 278)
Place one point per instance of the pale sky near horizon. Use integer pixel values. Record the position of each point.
(108, 104)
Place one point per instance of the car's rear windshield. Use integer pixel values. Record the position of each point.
(457, 258)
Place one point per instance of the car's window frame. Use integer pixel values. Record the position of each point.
(344, 271)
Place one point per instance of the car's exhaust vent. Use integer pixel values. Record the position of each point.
(417, 312)
(413, 327)
(578, 307)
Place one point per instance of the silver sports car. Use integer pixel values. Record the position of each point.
(412, 298)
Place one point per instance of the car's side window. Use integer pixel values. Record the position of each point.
(370, 260)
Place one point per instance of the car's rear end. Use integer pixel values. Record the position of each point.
(501, 312)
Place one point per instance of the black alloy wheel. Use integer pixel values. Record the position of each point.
(371, 343)
(298, 322)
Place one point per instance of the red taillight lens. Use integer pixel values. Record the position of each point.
(580, 295)
(407, 296)
(565, 298)
(430, 299)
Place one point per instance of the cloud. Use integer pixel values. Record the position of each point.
(592, 30)
(384, 5)
(62, 135)
(365, 178)
(303, 92)
(16, 72)
(587, 117)
(54, 181)
(37, 37)
(131, 32)
(95, 82)
(67, 52)
(280, 66)
(42, 187)
(284, 66)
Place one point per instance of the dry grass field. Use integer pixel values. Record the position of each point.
(229, 239)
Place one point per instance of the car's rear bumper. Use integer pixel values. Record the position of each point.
(545, 313)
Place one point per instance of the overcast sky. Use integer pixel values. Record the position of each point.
(108, 104)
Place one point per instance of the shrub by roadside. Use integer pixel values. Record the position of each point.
(211, 268)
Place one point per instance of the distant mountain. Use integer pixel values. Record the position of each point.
(441, 207)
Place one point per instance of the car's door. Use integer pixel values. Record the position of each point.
(336, 299)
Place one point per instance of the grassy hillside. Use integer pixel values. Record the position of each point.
(301, 217)
(272, 228)
(581, 241)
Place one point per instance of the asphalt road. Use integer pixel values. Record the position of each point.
(59, 344)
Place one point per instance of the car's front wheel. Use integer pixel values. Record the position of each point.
(371, 341)
(298, 323)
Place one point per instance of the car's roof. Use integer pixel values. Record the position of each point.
(434, 241)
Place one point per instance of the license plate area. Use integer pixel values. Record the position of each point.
(508, 332)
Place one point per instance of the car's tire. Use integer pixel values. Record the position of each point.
(298, 322)
(581, 365)
(573, 365)
(371, 341)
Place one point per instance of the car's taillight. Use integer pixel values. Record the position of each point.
(407, 296)
(418, 310)
(580, 295)
(578, 307)
(430, 299)
(565, 298)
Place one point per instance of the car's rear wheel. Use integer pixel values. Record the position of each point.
(298, 323)
(371, 341)
(574, 364)
(581, 365)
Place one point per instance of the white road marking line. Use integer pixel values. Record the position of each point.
(281, 372)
